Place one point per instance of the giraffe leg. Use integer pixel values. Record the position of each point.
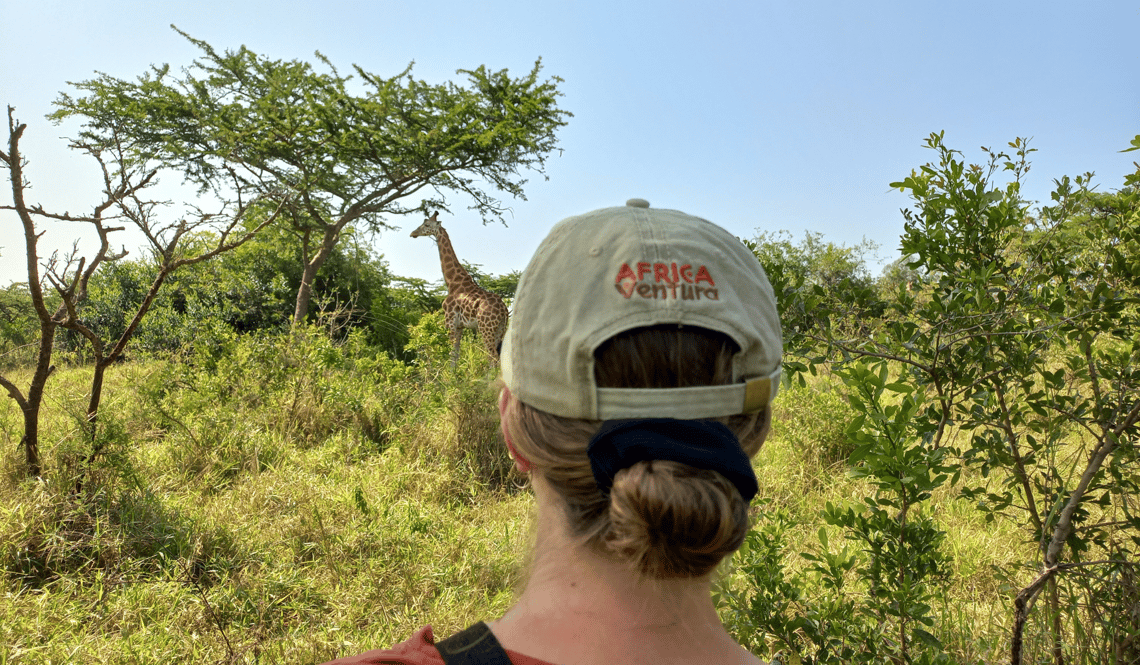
(489, 343)
(456, 336)
(491, 332)
(454, 333)
(502, 318)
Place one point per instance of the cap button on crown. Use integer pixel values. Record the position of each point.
(637, 203)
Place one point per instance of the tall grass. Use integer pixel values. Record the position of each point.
(290, 499)
(278, 499)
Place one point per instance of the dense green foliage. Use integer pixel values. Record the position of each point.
(1011, 373)
(17, 324)
(251, 289)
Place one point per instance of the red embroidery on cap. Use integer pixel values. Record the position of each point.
(625, 272)
(703, 275)
(625, 280)
(666, 278)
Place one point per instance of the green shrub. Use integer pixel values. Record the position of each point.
(813, 420)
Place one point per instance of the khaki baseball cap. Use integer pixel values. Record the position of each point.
(607, 271)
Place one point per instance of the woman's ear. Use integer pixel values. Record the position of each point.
(521, 463)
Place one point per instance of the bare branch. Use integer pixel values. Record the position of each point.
(14, 392)
(1064, 522)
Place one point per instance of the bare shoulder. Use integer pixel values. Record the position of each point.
(738, 655)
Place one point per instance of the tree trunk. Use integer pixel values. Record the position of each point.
(30, 442)
(102, 363)
(93, 404)
(309, 275)
(1056, 626)
(305, 292)
(92, 422)
(31, 408)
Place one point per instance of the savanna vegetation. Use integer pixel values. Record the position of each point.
(248, 445)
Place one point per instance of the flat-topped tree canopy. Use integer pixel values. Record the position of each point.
(343, 149)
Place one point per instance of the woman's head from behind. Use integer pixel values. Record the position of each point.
(641, 359)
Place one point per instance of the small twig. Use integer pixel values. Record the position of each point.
(209, 608)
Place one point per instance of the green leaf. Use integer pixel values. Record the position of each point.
(929, 640)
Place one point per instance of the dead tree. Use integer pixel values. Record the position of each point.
(124, 182)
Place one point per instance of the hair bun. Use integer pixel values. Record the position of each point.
(670, 520)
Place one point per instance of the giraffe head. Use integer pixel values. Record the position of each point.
(430, 227)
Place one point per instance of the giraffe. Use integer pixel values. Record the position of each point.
(467, 304)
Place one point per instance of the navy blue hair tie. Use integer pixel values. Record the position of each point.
(704, 444)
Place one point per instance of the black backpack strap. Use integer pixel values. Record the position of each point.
(475, 646)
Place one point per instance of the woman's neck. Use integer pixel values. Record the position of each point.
(580, 606)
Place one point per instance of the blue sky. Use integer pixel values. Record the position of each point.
(756, 115)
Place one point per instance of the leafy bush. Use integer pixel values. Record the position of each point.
(1014, 369)
(19, 328)
(813, 421)
(251, 289)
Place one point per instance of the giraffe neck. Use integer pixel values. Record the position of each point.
(454, 274)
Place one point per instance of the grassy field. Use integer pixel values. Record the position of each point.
(287, 500)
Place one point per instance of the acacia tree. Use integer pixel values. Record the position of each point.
(125, 180)
(345, 150)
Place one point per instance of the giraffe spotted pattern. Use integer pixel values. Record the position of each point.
(467, 304)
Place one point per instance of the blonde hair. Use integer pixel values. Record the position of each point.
(665, 519)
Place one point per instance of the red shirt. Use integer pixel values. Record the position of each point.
(418, 649)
